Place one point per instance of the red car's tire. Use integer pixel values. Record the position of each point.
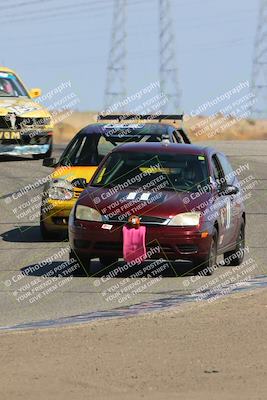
(236, 256)
(84, 264)
(206, 266)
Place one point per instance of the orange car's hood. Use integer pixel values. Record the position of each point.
(22, 106)
(70, 173)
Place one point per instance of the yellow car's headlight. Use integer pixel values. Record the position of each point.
(87, 214)
(186, 219)
(60, 189)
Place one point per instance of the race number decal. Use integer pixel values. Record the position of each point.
(225, 214)
(228, 213)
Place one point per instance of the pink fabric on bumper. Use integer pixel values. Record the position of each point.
(134, 245)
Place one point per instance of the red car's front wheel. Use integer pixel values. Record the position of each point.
(236, 256)
(83, 264)
(207, 265)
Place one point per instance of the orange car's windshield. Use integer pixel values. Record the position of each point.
(89, 150)
(10, 86)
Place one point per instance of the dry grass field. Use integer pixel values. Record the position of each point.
(202, 128)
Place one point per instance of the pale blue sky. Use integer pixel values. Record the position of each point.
(51, 41)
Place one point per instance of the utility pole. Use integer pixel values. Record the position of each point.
(116, 74)
(259, 70)
(169, 83)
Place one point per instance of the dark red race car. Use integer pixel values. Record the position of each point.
(187, 197)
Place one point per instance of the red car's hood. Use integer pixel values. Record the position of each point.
(159, 204)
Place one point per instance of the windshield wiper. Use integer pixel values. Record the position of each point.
(106, 186)
(174, 189)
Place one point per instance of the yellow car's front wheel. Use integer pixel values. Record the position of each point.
(46, 234)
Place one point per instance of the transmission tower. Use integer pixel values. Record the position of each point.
(259, 70)
(116, 74)
(169, 83)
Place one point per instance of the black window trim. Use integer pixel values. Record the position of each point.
(216, 161)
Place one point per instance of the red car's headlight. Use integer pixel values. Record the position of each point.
(87, 214)
(186, 219)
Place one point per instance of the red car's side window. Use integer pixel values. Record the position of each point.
(227, 169)
(217, 170)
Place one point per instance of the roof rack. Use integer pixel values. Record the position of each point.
(125, 117)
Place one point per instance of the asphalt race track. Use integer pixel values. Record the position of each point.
(21, 246)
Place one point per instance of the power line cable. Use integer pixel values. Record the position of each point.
(64, 14)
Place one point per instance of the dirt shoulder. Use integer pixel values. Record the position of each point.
(216, 351)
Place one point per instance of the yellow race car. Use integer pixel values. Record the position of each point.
(80, 160)
(25, 126)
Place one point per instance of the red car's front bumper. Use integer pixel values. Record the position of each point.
(91, 240)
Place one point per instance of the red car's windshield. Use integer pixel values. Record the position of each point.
(181, 172)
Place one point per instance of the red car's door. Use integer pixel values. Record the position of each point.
(224, 206)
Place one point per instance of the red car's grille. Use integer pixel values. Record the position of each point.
(145, 219)
(187, 248)
(116, 246)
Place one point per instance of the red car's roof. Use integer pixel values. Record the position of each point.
(157, 148)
